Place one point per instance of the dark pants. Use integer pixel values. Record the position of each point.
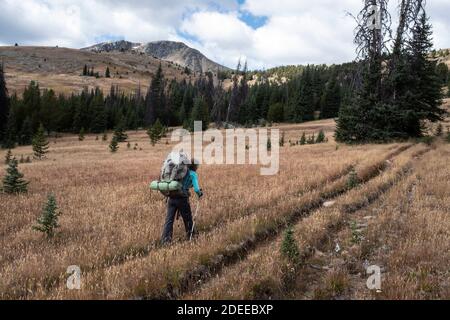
(175, 205)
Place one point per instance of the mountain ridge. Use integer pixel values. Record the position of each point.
(173, 51)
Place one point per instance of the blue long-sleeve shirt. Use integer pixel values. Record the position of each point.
(191, 181)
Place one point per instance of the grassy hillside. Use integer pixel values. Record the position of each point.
(61, 69)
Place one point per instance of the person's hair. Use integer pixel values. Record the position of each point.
(194, 165)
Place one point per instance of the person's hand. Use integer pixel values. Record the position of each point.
(200, 194)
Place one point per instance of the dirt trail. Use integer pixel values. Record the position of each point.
(201, 275)
(204, 290)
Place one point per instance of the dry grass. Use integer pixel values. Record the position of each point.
(411, 231)
(111, 222)
(265, 266)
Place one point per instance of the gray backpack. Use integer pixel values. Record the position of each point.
(175, 167)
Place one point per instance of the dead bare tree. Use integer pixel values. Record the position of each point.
(409, 11)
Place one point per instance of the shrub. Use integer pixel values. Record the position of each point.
(428, 140)
(353, 180)
(289, 248)
(439, 130)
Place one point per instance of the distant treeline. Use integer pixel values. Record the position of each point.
(317, 91)
(311, 92)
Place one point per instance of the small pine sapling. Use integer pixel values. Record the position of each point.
(40, 144)
(13, 182)
(114, 145)
(353, 179)
(8, 157)
(155, 132)
(321, 137)
(289, 247)
(303, 139)
(48, 221)
(81, 134)
(282, 139)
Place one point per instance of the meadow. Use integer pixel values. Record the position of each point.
(396, 215)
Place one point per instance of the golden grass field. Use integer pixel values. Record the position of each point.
(398, 217)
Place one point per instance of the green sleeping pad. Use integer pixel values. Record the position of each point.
(166, 186)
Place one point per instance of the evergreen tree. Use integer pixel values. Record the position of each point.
(48, 221)
(81, 134)
(426, 84)
(85, 71)
(331, 100)
(4, 104)
(311, 139)
(282, 139)
(10, 136)
(107, 73)
(155, 132)
(155, 101)
(48, 113)
(13, 181)
(352, 179)
(114, 145)
(26, 133)
(276, 113)
(442, 73)
(394, 104)
(97, 105)
(303, 139)
(105, 137)
(119, 133)
(40, 143)
(8, 157)
(321, 137)
(306, 100)
(200, 113)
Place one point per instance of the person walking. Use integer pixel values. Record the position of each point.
(179, 203)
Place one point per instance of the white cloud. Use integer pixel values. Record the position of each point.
(295, 31)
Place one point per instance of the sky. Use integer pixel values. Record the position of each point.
(267, 33)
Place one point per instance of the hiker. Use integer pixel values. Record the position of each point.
(179, 203)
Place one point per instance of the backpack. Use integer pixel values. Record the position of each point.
(174, 170)
(175, 167)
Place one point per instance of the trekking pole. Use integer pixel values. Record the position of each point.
(193, 219)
